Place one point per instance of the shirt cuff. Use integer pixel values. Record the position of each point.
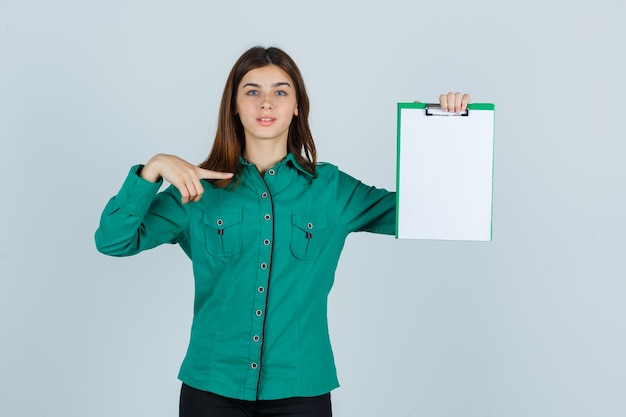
(137, 194)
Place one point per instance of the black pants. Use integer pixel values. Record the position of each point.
(197, 403)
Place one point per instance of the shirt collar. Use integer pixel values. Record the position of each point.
(292, 160)
(289, 160)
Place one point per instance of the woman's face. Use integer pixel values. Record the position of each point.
(266, 103)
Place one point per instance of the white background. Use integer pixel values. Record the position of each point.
(530, 324)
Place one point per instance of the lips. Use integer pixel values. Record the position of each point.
(265, 120)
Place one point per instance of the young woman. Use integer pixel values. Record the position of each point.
(264, 225)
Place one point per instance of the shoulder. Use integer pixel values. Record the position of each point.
(329, 173)
(328, 170)
(326, 173)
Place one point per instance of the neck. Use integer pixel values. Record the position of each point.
(264, 155)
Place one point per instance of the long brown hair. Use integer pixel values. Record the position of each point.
(229, 141)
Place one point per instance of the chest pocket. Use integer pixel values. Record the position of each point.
(223, 231)
(307, 237)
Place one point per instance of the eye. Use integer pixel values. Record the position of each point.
(281, 93)
(252, 93)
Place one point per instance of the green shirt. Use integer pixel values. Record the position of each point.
(264, 257)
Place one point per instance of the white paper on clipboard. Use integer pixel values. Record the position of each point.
(445, 172)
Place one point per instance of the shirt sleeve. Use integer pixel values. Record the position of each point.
(365, 208)
(140, 218)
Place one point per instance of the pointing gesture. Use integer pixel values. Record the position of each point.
(181, 174)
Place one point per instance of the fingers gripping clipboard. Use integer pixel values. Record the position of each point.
(445, 172)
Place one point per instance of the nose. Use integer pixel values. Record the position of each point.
(266, 104)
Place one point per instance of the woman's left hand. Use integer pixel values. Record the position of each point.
(454, 102)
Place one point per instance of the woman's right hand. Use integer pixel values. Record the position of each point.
(181, 174)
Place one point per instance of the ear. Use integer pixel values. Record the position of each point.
(295, 111)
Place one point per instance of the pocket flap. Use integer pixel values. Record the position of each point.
(309, 221)
(223, 218)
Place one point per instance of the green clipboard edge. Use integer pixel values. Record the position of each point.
(471, 106)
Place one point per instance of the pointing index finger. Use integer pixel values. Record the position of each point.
(208, 174)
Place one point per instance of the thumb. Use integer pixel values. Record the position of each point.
(208, 174)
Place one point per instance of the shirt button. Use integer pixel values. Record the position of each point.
(309, 226)
(254, 365)
(267, 217)
(266, 242)
(256, 338)
(261, 289)
(271, 172)
(259, 313)
(263, 265)
(220, 222)
(264, 195)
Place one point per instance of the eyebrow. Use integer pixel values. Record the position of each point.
(278, 84)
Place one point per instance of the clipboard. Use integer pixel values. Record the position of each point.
(444, 172)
